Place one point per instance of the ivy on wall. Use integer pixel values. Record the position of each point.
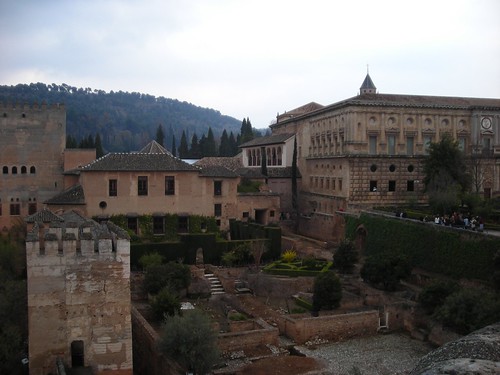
(457, 254)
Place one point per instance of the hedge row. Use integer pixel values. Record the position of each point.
(435, 249)
(185, 250)
(247, 231)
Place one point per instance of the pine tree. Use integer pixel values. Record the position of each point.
(183, 147)
(160, 136)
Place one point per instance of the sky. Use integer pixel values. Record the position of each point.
(254, 58)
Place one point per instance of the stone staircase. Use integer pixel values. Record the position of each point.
(215, 284)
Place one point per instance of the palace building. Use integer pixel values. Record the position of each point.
(368, 150)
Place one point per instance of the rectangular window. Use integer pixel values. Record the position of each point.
(373, 144)
(31, 208)
(392, 185)
(158, 225)
(113, 188)
(132, 224)
(169, 185)
(271, 213)
(409, 146)
(15, 209)
(373, 185)
(410, 185)
(183, 224)
(427, 142)
(391, 144)
(217, 222)
(217, 209)
(217, 187)
(333, 184)
(340, 185)
(245, 214)
(142, 185)
(461, 144)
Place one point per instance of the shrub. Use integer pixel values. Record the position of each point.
(434, 294)
(468, 310)
(174, 275)
(151, 259)
(237, 256)
(495, 278)
(385, 270)
(190, 340)
(289, 256)
(345, 257)
(309, 263)
(327, 291)
(165, 303)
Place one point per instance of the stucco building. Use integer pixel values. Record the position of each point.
(368, 150)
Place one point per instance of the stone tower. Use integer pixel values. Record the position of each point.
(78, 294)
(32, 142)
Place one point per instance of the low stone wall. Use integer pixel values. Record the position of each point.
(262, 334)
(147, 359)
(331, 327)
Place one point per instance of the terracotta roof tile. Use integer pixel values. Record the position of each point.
(138, 162)
(73, 195)
(269, 140)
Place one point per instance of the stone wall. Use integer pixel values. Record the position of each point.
(327, 227)
(259, 333)
(32, 142)
(147, 359)
(331, 327)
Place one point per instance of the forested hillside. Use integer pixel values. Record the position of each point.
(124, 121)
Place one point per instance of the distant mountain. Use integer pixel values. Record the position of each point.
(125, 121)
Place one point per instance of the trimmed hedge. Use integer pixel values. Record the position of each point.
(288, 269)
(453, 253)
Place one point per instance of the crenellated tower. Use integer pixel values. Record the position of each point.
(78, 294)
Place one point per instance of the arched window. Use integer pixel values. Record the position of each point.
(274, 156)
(268, 156)
(14, 170)
(5, 170)
(23, 169)
(279, 156)
(32, 170)
(249, 156)
(258, 157)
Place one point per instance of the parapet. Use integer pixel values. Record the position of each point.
(85, 238)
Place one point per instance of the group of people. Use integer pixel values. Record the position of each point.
(457, 219)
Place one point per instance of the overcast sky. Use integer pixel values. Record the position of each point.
(254, 58)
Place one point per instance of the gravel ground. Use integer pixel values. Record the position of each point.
(378, 355)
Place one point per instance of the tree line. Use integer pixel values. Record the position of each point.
(124, 121)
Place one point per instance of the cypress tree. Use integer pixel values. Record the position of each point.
(98, 146)
(183, 147)
(160, 136)
(174, 147)
(294, 175)
(210, 146)
(224, 147)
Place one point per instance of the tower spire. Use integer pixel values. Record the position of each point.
(367, 87)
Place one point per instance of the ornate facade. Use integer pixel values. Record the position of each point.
(368, 150)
